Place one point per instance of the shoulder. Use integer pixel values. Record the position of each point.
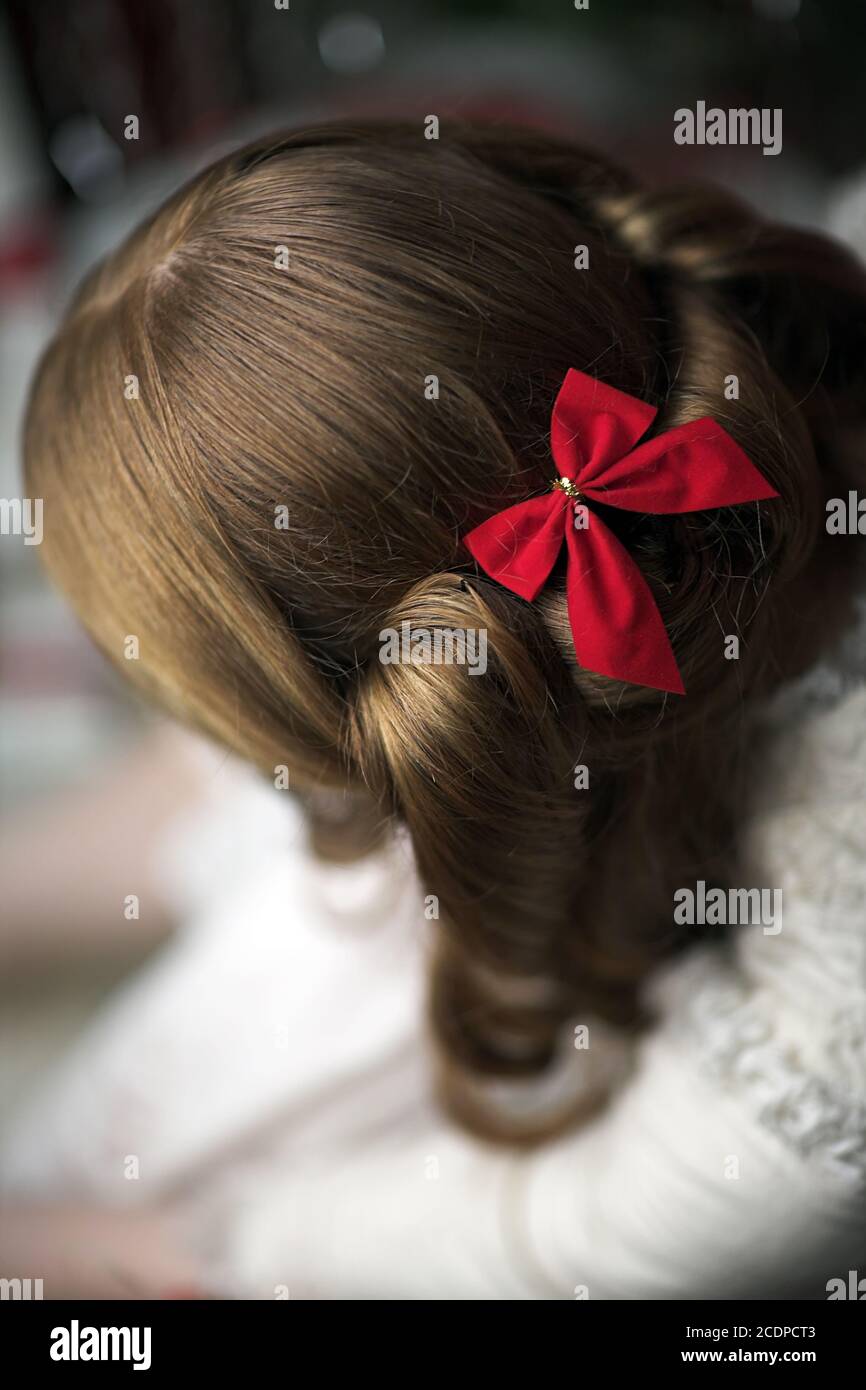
(776, 1019)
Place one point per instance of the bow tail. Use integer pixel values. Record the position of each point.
(616, 625)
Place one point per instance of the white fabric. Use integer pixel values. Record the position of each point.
(269, 1074)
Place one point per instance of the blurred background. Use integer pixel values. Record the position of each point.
(203, 75)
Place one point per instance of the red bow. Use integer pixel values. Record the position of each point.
(616, 626)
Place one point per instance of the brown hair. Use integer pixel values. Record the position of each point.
(262, 387)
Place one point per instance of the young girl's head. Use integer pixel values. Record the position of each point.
(269, 418)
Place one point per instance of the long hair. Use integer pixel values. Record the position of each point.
(270, 415)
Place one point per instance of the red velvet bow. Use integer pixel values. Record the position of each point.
(616, 626)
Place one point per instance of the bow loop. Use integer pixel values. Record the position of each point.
(593, 425)
(519, 547)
